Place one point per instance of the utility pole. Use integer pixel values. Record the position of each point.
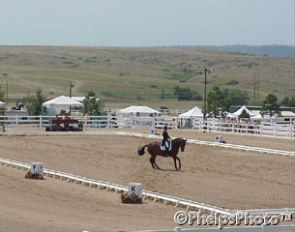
(71, 86)
(256, 87)
(206, 71)
(6, 92)
(70, 94)
(205, 94)
(6, 81)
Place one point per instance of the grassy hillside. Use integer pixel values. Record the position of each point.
(148, 76)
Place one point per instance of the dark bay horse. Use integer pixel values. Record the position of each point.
(154, 150)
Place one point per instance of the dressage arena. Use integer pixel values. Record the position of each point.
(227, 178)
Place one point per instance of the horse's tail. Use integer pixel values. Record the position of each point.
(141, 150)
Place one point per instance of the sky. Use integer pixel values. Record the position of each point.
(147, 22)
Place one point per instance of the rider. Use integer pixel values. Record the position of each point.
(166, 140)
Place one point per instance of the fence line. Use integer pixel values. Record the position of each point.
(143, 135)
(177, 201)
(280, 129)
(199, 142)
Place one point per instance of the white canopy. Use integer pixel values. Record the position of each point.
(230, 115)
(79, 99)
(195, 112)
(62, 101)
(138, 111)
(240, 111)
(286, 113)
(2, 103)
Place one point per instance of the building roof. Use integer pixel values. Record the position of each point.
(194, 112)
(62, 101)
(138, 109)
(240, 111)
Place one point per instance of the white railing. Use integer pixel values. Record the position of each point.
(39, 121)
(269, 129)
(198, 142)
(142, 135)
(177, 201)
(107, 121)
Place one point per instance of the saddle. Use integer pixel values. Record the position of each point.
(166, 145)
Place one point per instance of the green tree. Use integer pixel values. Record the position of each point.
(163, 94)
(221, 100)
(92, 105)
(215, 101)
(183, 94)
(234, 97)
(270, 105)
(33, 103)
(2, 94)
(244, 114)
(290, 102)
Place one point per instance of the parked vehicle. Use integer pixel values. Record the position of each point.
(64, 124)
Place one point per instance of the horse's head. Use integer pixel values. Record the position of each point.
(181, 143)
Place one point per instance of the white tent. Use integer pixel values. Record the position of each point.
(138, 111)
(230, 115)
(288, 114)
(79, 99)
(135, 116)
(62, 103)
(2, 103)
(187, 118)
(240, 111)
(195, 112)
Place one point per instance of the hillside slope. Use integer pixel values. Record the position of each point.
(123, 76)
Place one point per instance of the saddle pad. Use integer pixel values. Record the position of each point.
(163, 148)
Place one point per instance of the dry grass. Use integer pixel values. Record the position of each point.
(123, 76)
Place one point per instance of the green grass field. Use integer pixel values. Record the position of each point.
(146, 76)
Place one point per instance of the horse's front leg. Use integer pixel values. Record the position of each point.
(175, 164)
(179, 167)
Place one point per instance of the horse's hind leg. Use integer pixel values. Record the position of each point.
(153, 162)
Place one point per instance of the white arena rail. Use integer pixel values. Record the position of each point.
(200, 142)
(142, 135)
(277, 128)
(177, 201)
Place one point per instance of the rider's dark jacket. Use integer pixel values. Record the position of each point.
(166, 137)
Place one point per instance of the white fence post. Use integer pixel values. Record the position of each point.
(40, 121)
(108, 121)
